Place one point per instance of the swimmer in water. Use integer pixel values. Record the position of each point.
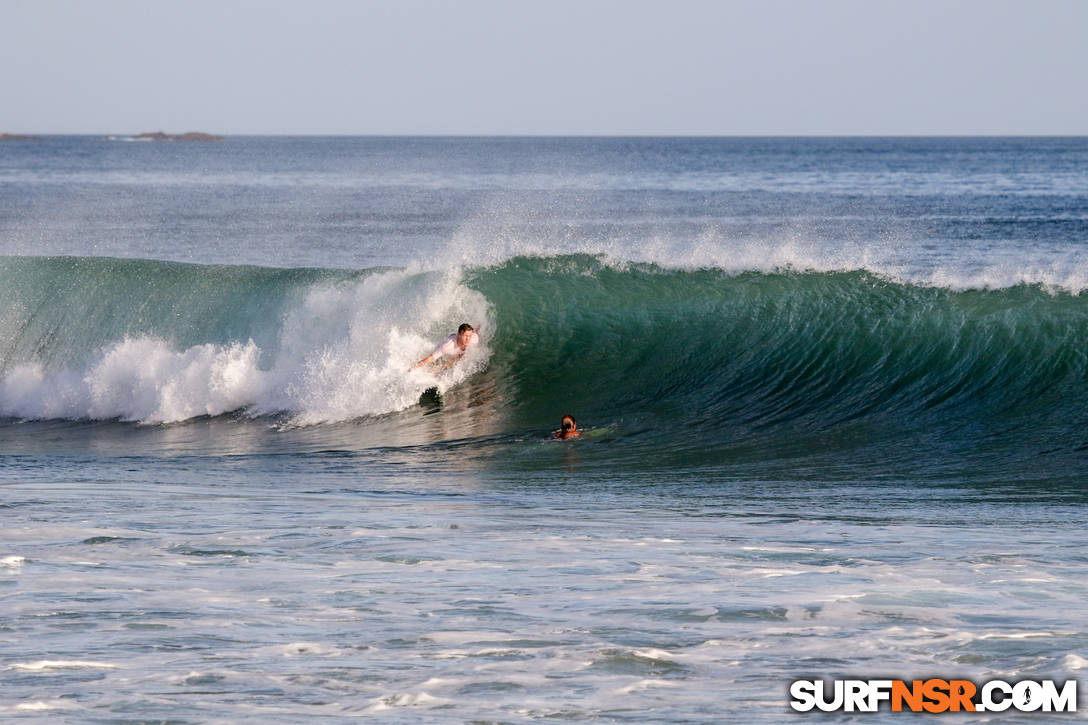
(454, 347)
(568, 428)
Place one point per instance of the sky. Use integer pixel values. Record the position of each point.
(555, 67)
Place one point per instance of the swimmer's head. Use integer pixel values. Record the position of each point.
(465, 333)
(568, 422)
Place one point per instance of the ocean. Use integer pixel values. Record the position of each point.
(832, 394)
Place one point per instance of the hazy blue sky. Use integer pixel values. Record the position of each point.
(555, 67)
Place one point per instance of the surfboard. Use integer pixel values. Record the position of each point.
(431, 398)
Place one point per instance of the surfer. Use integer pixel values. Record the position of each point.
(568, 428)
(454, 347)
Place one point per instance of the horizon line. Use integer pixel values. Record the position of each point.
(556, 135)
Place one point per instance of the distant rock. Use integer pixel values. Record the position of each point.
(17, 137)
(188, 136)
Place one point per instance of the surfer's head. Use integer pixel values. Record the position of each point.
(464, 335)
(568, 428)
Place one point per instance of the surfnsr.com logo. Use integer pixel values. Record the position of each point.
(933, 695)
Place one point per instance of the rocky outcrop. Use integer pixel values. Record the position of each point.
(17, 137)
(189, 136)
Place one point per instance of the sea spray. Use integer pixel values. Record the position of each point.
(346, 349)
(163, 342)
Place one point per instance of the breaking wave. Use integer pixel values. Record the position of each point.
(707, 352)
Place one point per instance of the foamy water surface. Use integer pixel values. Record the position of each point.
(317, 593)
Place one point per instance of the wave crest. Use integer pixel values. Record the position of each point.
(160, 343)
(336, 348)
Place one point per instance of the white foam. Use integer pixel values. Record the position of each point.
(499, 234)
(343, 353)
(295, 649)
(45, 665)
(643, 685)
(140, 379)
(421, 699)
(652, 653)
(348, 347)
(467, 636)
(13, 562)
(1075, 662)
(42, 706)
(1016, 635)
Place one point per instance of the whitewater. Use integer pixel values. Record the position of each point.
(832, 393)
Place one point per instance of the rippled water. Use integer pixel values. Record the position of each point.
(309, 589)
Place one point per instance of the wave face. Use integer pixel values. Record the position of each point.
(794, 359)
(155, 342)
(695, 360)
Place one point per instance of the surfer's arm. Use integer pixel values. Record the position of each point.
(447, 363)
(422, 362)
